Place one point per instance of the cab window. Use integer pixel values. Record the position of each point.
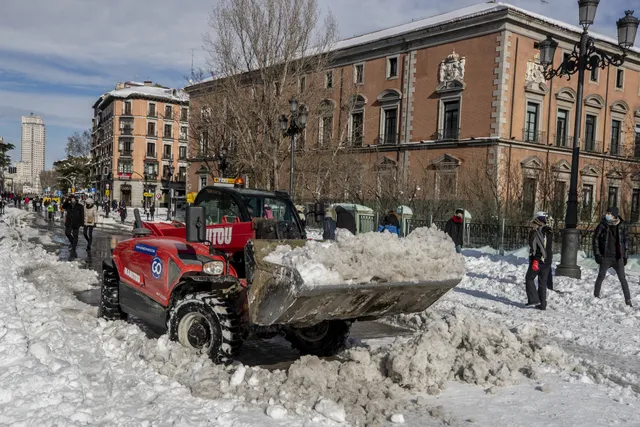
(220, 208)
(269, 208)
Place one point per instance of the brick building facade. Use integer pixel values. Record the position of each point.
(454, 109)
(140, 130)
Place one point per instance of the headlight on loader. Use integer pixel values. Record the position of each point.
(214, 268)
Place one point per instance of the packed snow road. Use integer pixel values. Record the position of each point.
(480, 358)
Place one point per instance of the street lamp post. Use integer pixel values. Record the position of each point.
(171, 170)
(584, 57)
(222, 162)
(292, 127)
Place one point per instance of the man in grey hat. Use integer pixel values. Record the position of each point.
(611, 250)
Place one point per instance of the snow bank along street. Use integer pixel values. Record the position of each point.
(479, 358)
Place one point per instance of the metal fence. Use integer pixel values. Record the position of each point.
(367, 223)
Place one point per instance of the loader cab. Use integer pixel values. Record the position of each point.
(235, 215)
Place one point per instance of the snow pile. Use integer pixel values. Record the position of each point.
(426, 254)
(467, 348)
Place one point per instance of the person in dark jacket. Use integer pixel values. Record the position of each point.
(540, 257)
(345, 220)
(611, 250)
(455, 228)
(390, 223)
(74, 213)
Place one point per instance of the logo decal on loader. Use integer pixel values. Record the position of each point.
(145, 249)
(220, 236)
(130, 274)
(156, 267)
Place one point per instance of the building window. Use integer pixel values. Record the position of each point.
(151, 129)
(184, 114)
(328, 80)
(389, 125)
(182, 153)
(590, 132)
(183, 133)
(125, 167)
(451, 120)
(561, 128)
(151, 111)
(559, 199)
(635, 205)
(565, 59)
(204, 142)
(302, 84)
(616, 128)
(619, 78)
(168, 131)
(168, 112)
(586, 209)
(612, 199)
(531, 124)
(446, 185)
(202, 182)
(166, 152)
(182, 174)
(151, 169)
(127, 108)
(357, 128)
(326, 128)
(529, 189)
(151, 149)
(358, 74)
(126, 146)
(595, 73)
(392, 67)
(636, 145)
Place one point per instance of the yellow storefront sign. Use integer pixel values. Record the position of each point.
(191, 197)
(148, 194)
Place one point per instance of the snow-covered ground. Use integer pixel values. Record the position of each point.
(479, 358)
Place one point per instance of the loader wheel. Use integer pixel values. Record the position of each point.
(207, 322)
(109, 305)
(324, 339)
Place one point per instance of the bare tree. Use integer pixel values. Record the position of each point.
(49, 179)
(79, 144)
(260, 53)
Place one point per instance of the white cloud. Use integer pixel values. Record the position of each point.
(69, 111)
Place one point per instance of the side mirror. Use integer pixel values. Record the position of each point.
(318, 208)
(196, 224)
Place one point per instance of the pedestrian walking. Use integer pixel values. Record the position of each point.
(90, 217)
(455, 229)
(73, 221)
(540, 258)
(50, 211)
(152, 210)
(123, 212)
(611, 250)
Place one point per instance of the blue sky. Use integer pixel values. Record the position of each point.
(57, 57)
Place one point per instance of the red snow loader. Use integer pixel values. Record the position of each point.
(206, 282)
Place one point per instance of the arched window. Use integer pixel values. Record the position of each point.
(356, 121)
(325, 125)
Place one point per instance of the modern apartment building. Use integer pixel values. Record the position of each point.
(456, 106)
(32, 144)
(140, 135)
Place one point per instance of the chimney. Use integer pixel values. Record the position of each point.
(119, 86)
(148, 82)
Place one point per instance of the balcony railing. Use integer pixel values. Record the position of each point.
(152, 114)
(592, 146)
(356, 141)
(448, 134)
(184, 117)
(168, 116)
(563, 140)
(126, 153)
(615, 149)
(534, 136)
(387, 139)
(182, 157)
(181, 177)
(151, 155)
(126, 131)
(151, 134)
(167, 156)
(183, 137)
(636, 149)
(167, 135)
(127, 113)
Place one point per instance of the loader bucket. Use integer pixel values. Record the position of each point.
(277, 294)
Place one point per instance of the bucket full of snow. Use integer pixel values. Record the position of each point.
(361, 277)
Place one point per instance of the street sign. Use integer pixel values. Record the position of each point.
(59, 193)
(93, 190)
(191, 197)
(148, 194)
(158, 196)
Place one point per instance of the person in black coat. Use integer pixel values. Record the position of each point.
(345, 220)
(73, 221)
(540, 258)
(455, 229)
(611, 250)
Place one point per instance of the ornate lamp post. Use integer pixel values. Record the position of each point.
(584, 57)
(223, 164)
(291, 128)
(171, 171)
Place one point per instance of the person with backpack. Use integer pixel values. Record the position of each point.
(540, 258)
(90, 219)
(611, 250)
(455, 228)
(390, 223)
